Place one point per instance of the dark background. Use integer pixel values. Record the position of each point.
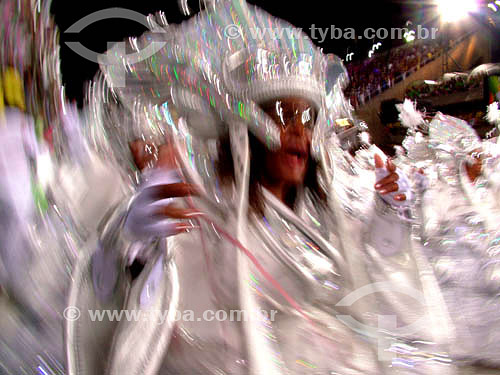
(359, 15)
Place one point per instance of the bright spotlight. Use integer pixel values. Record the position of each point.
(455, 10)
(409, 36)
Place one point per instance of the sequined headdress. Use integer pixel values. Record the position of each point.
(415, 144)
(213, 71)
(454, 133)
(454, 143)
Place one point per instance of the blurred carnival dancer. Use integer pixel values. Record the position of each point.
(246, 203)
(29, 339)
(46, 201)
(459, 210)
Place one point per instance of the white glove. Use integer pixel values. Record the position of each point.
(144, 222)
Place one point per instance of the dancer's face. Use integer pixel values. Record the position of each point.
(296, 118)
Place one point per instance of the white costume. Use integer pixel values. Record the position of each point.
(310, 264)
(460, 228)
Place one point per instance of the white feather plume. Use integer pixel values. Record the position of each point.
(493, 114)
(409, 116)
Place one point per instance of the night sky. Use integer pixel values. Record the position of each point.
(352, 14)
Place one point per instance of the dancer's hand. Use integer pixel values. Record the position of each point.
(157, 210)
(148, 156)
(392, 185)
(474, 166)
